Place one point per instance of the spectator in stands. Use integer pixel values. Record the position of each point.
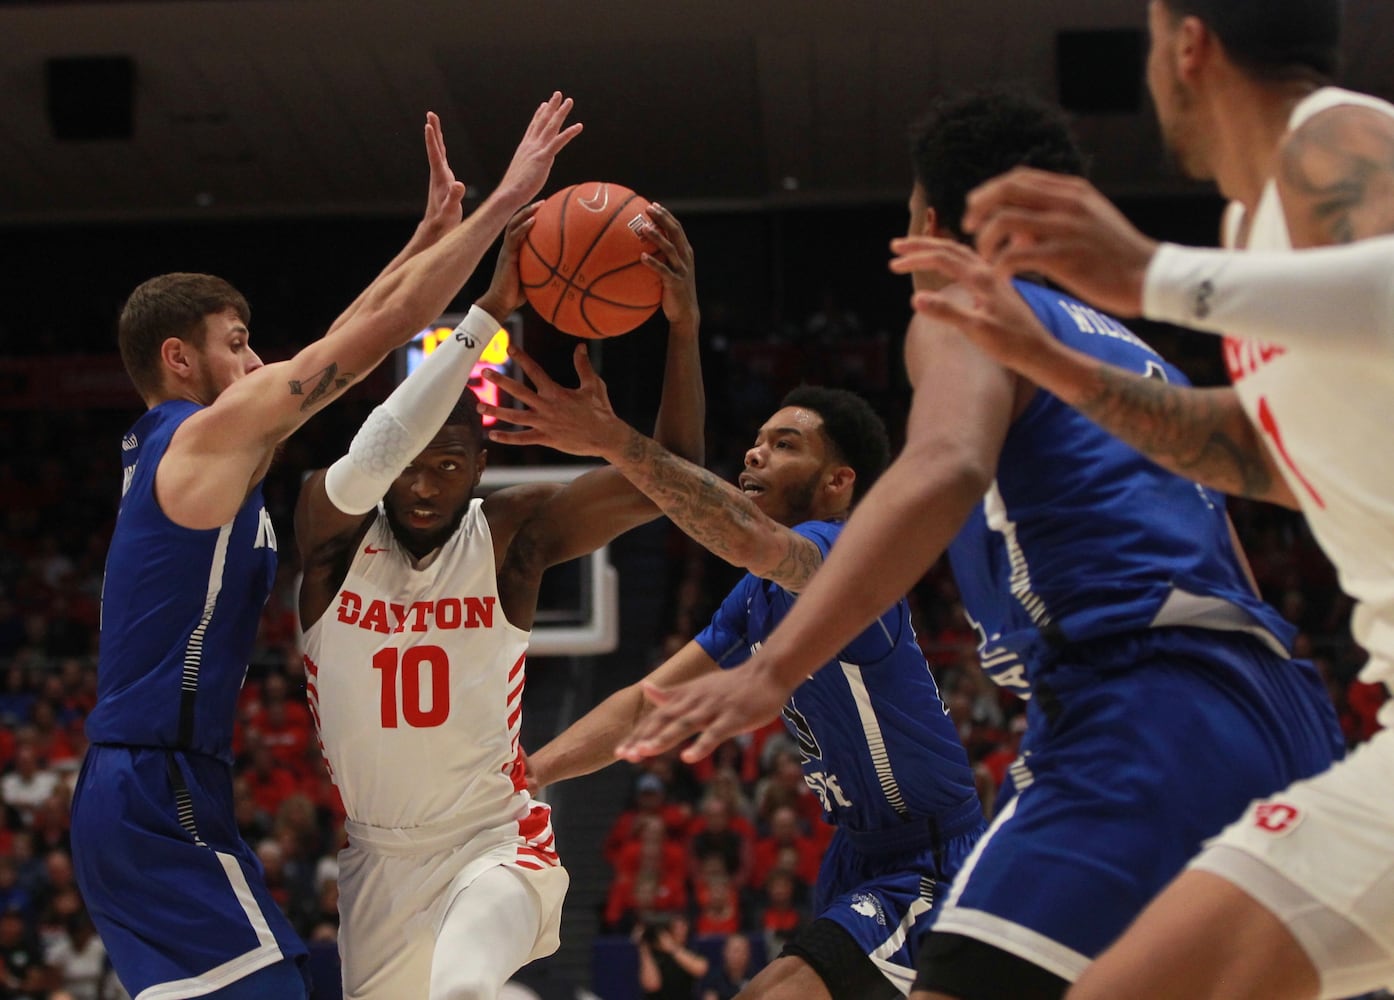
(78, 959)
(267, 780)
(785, 837)
(717, 833)
(23, 974)
(668, 970)
(650, 799)
(13, 895)
(28, 784)
(781, 916)
(732, 973)
(718, 899)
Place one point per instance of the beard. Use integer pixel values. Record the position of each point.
(798, 500)
(419, 543)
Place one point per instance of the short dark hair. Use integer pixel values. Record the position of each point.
(1273, 39)
(465, 413)
(969, 139)
(858, 435)
(171, 305)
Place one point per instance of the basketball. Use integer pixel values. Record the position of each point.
(580, 265)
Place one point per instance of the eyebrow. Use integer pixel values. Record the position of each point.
(781, 430)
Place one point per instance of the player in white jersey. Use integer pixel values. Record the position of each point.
(1295, 899)
(417, 603)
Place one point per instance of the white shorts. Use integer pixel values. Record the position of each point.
(1320, 856)
(393, 897)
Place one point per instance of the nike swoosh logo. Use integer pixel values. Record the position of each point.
(368, 550)
(598, 201)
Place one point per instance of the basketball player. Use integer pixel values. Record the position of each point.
(1103, 587)
(1296, 899)
(877, 744)
(176, 894)
(417, 601)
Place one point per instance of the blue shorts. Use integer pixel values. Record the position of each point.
(1139, 749)
(179, 899)
(883, 894)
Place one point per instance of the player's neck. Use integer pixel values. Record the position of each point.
(1250, 122)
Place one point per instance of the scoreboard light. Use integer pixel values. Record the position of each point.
(495, 355)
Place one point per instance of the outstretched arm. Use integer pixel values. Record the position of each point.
(218, 453)
(589, 743)
(715, 513)
(963, 406)
(1202, 434)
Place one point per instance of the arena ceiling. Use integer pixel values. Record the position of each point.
(313, 107)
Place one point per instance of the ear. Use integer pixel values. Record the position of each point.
(931, 223)
(841, 481)
(480, 461)
(1195, 46)
(177, 357)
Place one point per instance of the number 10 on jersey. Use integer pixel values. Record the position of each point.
(410, 666)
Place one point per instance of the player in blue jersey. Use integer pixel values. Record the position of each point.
(176, 894)
(1162, 694)
(876, 741)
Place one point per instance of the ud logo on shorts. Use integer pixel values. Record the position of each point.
(1277, 818)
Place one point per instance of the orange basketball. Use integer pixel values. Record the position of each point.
(580, 265)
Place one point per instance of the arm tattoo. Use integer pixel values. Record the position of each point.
(1191, 432)
(1337, 177)
(712, 512)
(320, 385)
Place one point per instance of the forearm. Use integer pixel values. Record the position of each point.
(1285, 298)
(588, 744)
(1201, 434)
(713, 512)
(682, 411)
(397, 431)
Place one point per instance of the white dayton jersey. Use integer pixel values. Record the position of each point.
(416, 684)
(1325, 416)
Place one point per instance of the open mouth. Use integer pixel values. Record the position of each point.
(750, 486)
(421, 517)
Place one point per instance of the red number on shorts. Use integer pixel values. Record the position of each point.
(1270, 427)
(412, 712)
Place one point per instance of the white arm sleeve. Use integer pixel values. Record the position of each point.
(1338, 298)
(396, 431)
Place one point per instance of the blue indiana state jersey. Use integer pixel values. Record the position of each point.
(180, 609)
(1080, 537)
(876, 740)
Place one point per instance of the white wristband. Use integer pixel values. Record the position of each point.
(396, 431)
(1338, 298)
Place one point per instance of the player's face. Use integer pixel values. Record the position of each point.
(787, 466)
(226, 354)
(425, 503)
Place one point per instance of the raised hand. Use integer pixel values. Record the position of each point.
(505, 292)
(577, 421)
(543, 140)
(1063, 228)
(445, 194)
(716, 707)
(675, 266)
(981, 304)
